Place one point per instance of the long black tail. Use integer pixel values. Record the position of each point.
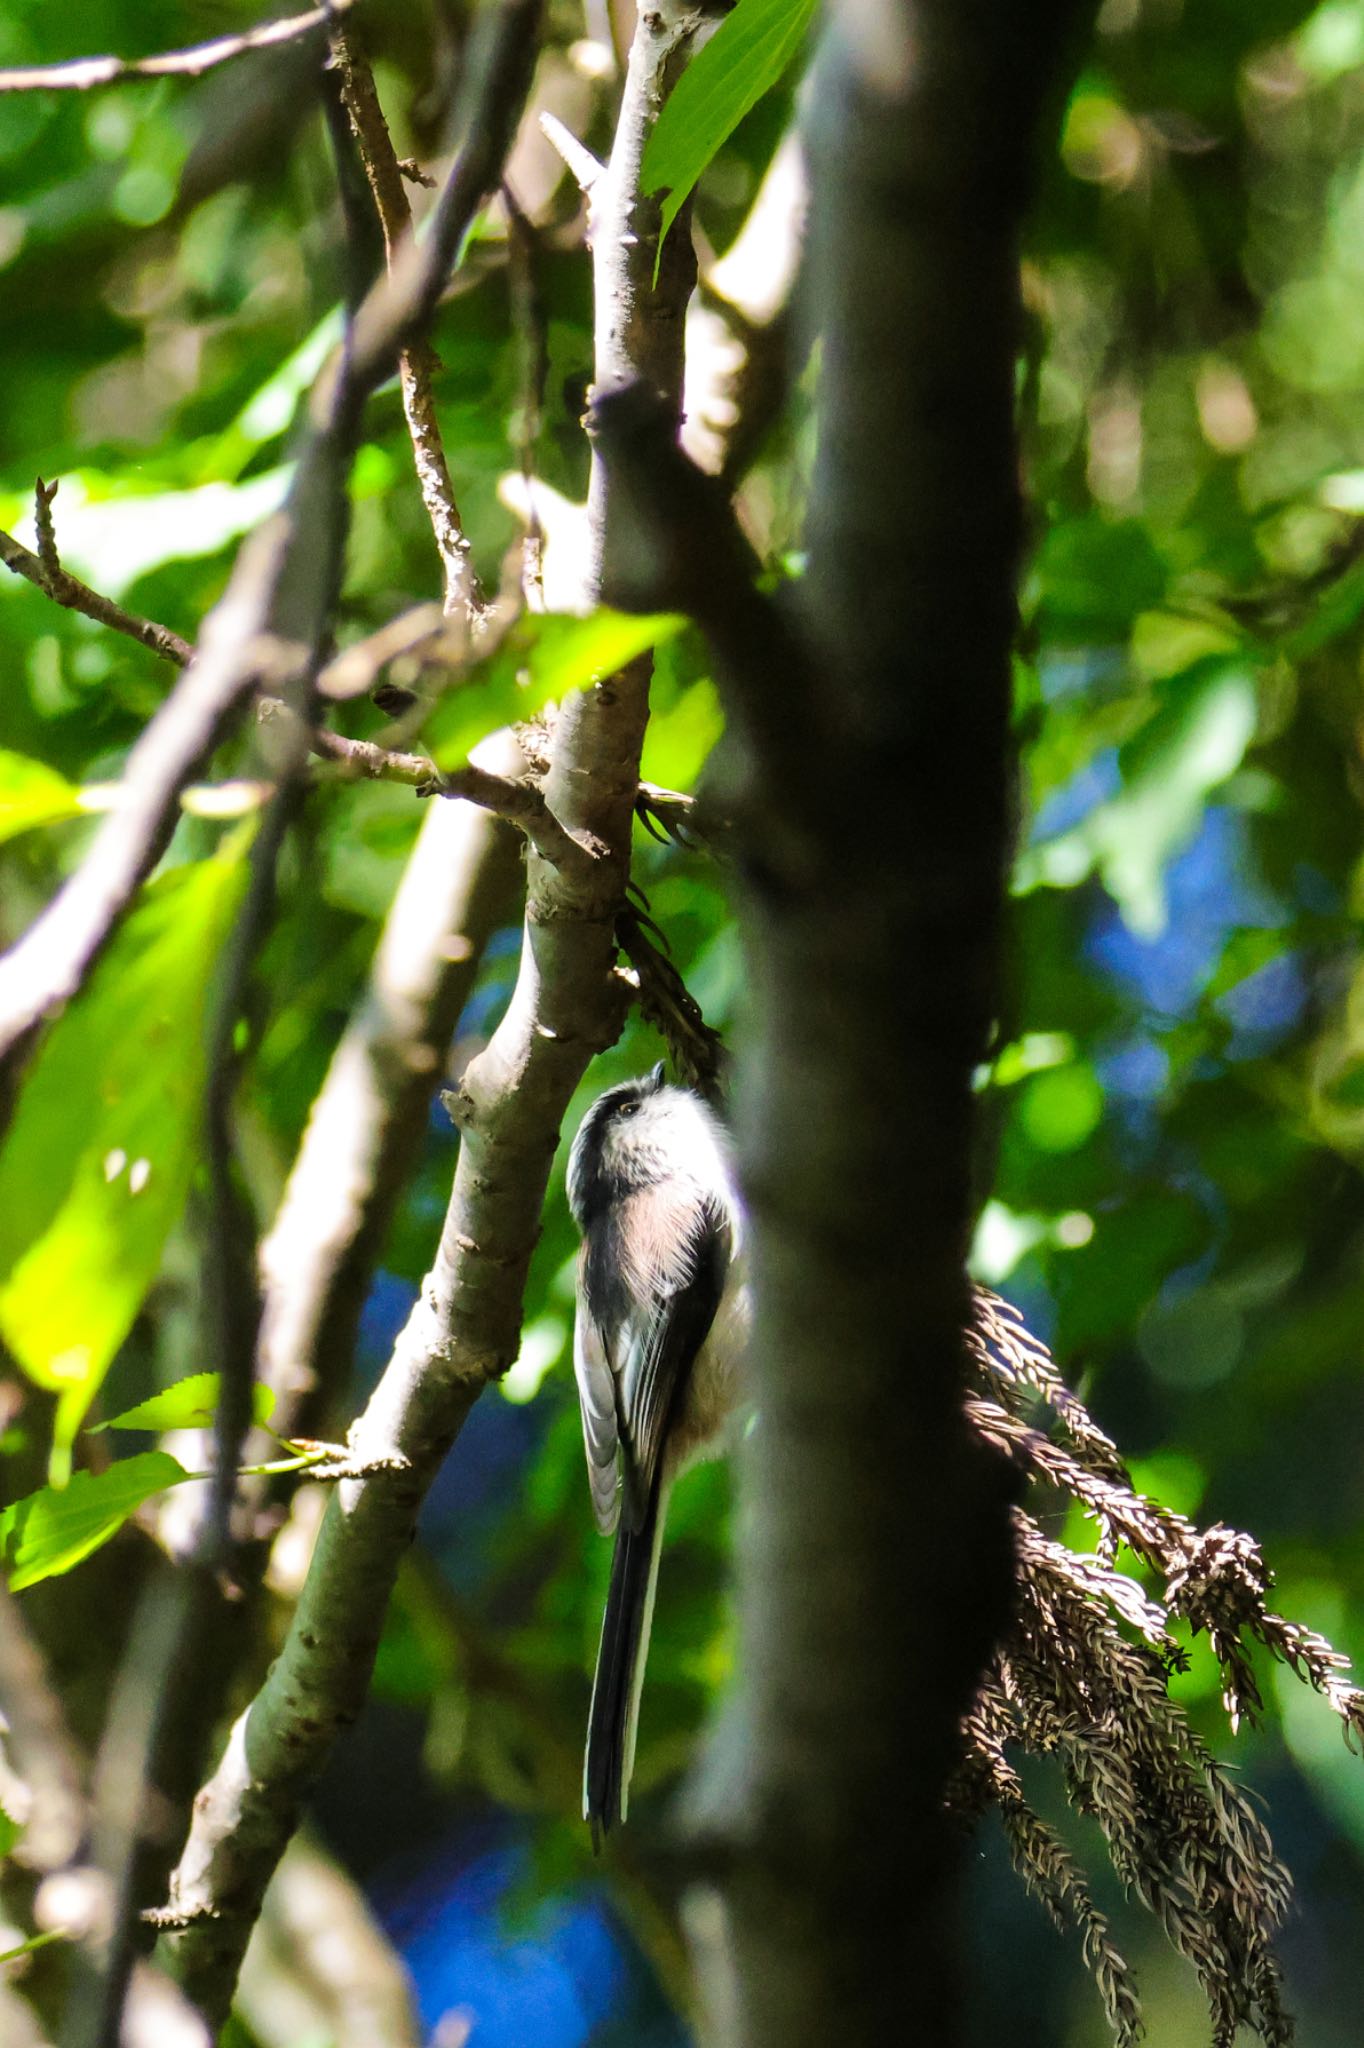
(614, 1714)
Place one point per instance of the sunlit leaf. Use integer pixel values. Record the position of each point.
(31, 794)
(49, 1531)
(94, 1170)
(189, 1404)
(112, 539)
(744, 59)
(1192, 743)
(544, 656)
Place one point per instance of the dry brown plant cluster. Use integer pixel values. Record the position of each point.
(1083, 1677)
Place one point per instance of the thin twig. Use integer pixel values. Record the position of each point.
(584, 168)
(417, 362)
(354, 672)
(46, 572)
(362, 759)
(530, 319)
(48, 964)
(519, 799)
(84, 72)
(264, 605)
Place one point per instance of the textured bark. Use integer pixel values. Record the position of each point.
(872, 818)
(568, 1004)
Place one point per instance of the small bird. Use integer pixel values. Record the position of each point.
(662, 1320)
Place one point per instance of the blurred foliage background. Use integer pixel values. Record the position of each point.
(1174, 1123)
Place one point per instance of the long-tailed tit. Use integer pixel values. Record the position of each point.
(662, 1319)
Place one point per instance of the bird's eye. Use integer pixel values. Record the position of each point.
(629, 1109)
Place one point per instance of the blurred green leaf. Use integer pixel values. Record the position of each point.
(189, 1404)
(1187, 748)
(1060, 1107)
(32, 794)
(113, 536)
(542, 658)
(1092, 577)
(744, 59)
(48, 1532)
(97, 1161)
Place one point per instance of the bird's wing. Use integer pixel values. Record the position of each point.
(680, 1250)
(601, 1437)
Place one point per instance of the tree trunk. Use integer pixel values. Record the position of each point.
(873, 816)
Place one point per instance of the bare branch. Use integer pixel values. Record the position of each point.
(417, 361)
(464, 1330)
(45, 968)
(285, 577)
(519, 799)
(357, 668)
(585, 168)
(84, 72)
(46, 572)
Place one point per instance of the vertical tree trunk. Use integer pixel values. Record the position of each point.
(874, 821)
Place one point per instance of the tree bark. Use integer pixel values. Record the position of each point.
(871, 790)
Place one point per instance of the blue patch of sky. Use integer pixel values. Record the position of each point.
(1072, 671)
(481, 1481)
(563, 1977)
(489, 998)
(1211, 890)
(1264, 1007)
(1134, 1071)
(1098, 782)
(482, 1475)
(387, 1307)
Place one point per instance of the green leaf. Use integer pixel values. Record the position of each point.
(725, 80)
(189, 1404)
(1092, 577)
(49, 1531)
(96, 1164)
(113, 533)
(542, 658)
(1192, 743)
(31, 794)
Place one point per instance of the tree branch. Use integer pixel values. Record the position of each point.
(319, 1942)
(417, 362)
(283, 585)
(367, 1121)
(872, 835)
(46, 572)
(464, 1330)
(84, 72)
